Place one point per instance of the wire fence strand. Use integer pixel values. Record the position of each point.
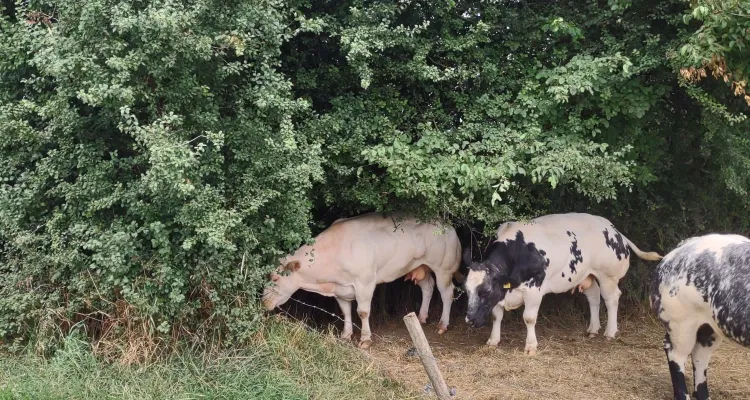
(384, 339)
(354, 325)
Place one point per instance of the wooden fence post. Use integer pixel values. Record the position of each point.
(425, 355)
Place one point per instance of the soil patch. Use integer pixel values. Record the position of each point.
(569, 365)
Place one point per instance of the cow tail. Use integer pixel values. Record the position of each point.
(649, 256)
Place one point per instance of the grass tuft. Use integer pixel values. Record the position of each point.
(283, 361)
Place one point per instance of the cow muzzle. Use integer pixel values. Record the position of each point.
(269, 304)
(269, 299)
(476, 322)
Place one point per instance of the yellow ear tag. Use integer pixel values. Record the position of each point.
(506, 286)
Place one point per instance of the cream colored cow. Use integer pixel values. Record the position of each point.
(354, 254)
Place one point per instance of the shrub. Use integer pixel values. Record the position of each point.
(157, 157)
(150, 164)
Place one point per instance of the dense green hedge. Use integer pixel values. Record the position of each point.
(157, 156)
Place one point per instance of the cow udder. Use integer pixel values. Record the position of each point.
(417, 274)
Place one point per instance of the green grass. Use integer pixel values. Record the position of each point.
(285, 361)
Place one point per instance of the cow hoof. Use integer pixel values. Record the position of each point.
(610, 338)
(530, 352)
(365, 344)
(423, 320)
(490, 343)
(441, 330)
(592, 335)
(346, 336)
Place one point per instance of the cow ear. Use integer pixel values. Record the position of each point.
(467, 257)
(293, 266)
(500, 281)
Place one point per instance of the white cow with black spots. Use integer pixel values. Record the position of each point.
(701, 293)
(550, 254)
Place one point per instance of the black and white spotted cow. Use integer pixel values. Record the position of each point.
(550, 254)
(701, 292)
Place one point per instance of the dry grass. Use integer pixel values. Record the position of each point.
(568, 366)
(283, 361)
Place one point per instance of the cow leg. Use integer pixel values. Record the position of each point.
(364, 300)
(427, 285)
(707, 342)
(678, 343)
(530, 312)
(445, 286)
(611, 294)
(497, 318)
(346, 309)
(594, 297)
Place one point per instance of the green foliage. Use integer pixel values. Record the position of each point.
(481, 111)
(723, 32)
(150, 156)
(158, 156)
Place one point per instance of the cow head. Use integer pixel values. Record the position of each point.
(284, 282)
(487, 284)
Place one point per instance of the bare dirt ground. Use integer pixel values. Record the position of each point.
(569, 365)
